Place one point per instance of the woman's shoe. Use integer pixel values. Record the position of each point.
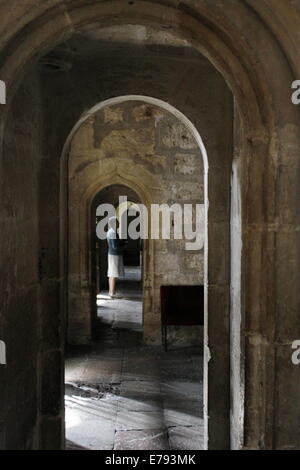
(115, 296)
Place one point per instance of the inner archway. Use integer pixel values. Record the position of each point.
(162, 165)
(126, 311)
(124, 145)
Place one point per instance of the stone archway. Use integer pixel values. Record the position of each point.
(216, 275)
(108, 174)
(134, 258)
(80, 290)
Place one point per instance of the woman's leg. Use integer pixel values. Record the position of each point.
(112, 285)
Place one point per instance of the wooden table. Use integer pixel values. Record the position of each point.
(181, 305)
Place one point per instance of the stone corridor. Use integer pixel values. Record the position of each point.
(123, 395)
(164, 102)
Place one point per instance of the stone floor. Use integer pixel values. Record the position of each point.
(125, 313)
(124, 395)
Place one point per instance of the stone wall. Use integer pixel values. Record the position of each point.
(30, 321)
(149, 148)
(20, 280)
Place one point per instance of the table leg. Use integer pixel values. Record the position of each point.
(164, 337)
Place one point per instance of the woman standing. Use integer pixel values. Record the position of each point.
(116, 248)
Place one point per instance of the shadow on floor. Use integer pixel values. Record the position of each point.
(124, 395)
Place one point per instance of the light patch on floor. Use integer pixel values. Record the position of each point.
(127, 312)
(124, 395)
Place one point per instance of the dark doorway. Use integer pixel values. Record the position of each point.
(126, 312)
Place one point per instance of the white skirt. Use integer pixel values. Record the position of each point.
(115, 266)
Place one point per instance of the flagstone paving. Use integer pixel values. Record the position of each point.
(123, 395)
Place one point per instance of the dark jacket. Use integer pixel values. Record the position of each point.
(116, 246)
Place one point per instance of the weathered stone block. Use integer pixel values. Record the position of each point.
(189, 165)
(113, 115)
(176, 135)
